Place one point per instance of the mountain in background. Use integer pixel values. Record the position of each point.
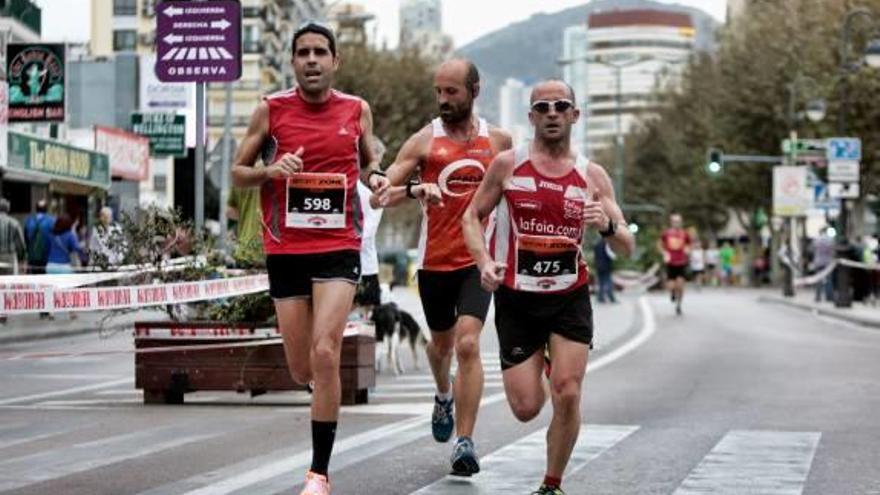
(528, 50)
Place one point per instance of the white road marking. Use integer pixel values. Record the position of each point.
(515, 467)
(760, 462)
(66, 391)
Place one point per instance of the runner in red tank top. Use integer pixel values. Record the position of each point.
(545, 196)
(675, 246)
(451, 155)
(316, 143)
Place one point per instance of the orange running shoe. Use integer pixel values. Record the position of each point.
(316, 484)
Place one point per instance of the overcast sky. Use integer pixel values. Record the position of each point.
(465, 20)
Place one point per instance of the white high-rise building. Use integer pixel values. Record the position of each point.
(650, 46)
(574, 72)
(514, 110)
(421, 27)
(419, 15)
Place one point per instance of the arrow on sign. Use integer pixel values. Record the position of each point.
(173, 11)
(173, 38)
(222, 24)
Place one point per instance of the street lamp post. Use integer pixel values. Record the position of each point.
(843, 295)
(815, 111)
(619, 159)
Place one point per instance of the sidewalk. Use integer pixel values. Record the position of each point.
(859, 313)
(21, 328)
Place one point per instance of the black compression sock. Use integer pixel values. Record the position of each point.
(323, 436)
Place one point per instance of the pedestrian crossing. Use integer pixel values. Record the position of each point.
(767, 462)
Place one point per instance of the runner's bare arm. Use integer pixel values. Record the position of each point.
(622, 242)
(408, 159)
(485, 200)
(243, 172)
(501, 139)
(368, 158)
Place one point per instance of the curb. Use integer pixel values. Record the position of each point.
(833, 313)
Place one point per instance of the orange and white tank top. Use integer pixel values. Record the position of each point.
(457, 168)
(539, 228)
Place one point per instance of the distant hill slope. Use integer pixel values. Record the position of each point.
(528, 50)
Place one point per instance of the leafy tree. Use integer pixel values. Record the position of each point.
(737, 99)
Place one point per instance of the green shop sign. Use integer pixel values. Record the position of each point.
(166, 131)
(58, 161)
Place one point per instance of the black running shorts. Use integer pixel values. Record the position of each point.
(676, 271)
(525, 321)
(368, 291)
(292, 275)
(448, 295)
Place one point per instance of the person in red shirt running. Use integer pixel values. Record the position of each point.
(451, 155)
(675, 245)
(316, 143)
(545, 196)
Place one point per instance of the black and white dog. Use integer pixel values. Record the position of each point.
(393, 326)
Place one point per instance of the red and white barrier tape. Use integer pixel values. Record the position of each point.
(816, 277)
(47, 300)
(89, 275)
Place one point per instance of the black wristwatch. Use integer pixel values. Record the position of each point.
(612, 228)
(375, 171)
(409, 186)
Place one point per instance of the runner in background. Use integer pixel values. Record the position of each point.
(675, 246)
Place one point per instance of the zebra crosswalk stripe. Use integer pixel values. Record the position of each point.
(518, 466)
(765, 462)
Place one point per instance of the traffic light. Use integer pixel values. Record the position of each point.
(715, 161)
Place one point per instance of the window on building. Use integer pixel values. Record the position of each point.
(124, 40)
(251, 38)
(124, 7)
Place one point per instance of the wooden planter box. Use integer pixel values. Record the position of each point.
(166, 376)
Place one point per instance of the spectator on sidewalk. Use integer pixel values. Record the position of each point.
(698, 263)
(63, 247)
(244, 209)
(726, 257)
(105, 242)
(38, 234)
(12, 246)
(713, 259)
(604, 260)
(823, 255)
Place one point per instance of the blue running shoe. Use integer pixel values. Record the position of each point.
(442, 421)
(464, 458)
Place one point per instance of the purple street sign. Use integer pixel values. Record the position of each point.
(198, 41)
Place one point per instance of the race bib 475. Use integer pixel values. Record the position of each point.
(546, 263)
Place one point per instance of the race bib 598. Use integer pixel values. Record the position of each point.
(316, 201)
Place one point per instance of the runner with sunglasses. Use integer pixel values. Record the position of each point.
(451, 155)
(313, 139)
(546, 196)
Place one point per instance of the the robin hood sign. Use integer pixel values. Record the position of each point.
(36, 82)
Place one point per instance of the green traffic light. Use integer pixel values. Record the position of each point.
(714, 168)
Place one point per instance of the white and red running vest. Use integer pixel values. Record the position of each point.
(539, 228)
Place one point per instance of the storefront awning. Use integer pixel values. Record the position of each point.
(43, 160)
